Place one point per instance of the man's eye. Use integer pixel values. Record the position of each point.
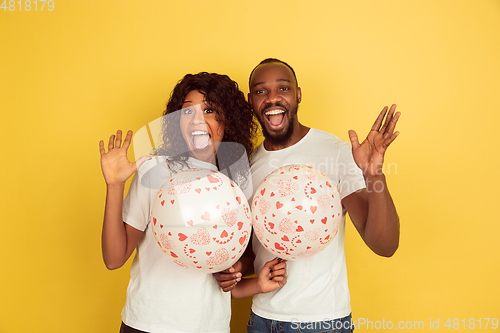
(260, 91)
(285, 88)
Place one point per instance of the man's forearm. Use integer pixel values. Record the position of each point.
(381, 232)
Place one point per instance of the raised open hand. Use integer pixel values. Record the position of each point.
(369, 155)
(115, 165)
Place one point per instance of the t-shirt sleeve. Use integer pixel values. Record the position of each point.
(136, 206)
(351, 177)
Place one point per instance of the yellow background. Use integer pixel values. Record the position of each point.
(73, 76)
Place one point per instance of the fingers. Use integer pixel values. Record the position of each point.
(227, 280)
(281, 280)
(353, 137)
(387, 130)
(392, 124)
(279, 274)
(237, 267)
(226, 271)
(118, 141)
(271, 263)
(379, 120)
(392, 138)
(111, 143)
(128, 139)
(231, 287)
(229, 284)
(101, 147)
(388, 118)
(141, 160)
(389, 127)
(279, 265)
(277, 268)
(223, 277)
(115, 141)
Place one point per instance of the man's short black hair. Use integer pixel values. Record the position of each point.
(270, 60)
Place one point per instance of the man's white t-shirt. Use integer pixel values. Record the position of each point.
(316, 288)
(161, 295)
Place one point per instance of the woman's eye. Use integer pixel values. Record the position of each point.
(209, 111)
(187, 111)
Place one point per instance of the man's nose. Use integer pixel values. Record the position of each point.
(273, 96)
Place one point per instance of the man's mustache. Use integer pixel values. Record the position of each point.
(268, 106)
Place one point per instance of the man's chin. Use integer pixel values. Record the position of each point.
(277, 138)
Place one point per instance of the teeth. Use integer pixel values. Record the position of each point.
(274, 112)
(199, 133)
(201, 139)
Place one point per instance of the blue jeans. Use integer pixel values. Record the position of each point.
(258, 324)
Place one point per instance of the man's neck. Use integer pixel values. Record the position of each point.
(299, 132)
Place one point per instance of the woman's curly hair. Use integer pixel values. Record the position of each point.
(225, 98)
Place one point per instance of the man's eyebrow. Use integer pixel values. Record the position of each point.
(279, 80)
(258, 83)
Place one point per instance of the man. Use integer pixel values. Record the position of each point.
(316, 296)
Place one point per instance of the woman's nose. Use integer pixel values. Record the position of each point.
(198, 116)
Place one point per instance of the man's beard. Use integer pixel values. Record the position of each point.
(281, 139)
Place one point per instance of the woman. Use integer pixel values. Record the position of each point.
(204, 113)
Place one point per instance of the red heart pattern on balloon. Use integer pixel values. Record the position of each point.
(193, 216)
(287, 186)
(201, 237)
(280, 222)
(213, 179)
(242, 240)
(286, 226)
(220, 256)
(278, 247)
(166, 242)
(230, 216)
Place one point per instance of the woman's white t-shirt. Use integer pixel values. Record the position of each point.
(163, 296)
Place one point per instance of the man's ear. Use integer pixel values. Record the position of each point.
(249, 100)
(299, 95)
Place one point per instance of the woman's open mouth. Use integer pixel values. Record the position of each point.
(201, 140)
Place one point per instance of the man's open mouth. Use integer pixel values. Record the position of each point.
(275, 117)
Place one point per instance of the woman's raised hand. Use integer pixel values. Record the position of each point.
(115, 165)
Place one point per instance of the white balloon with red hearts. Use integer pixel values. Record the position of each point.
(201, 220)
(296, 211)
